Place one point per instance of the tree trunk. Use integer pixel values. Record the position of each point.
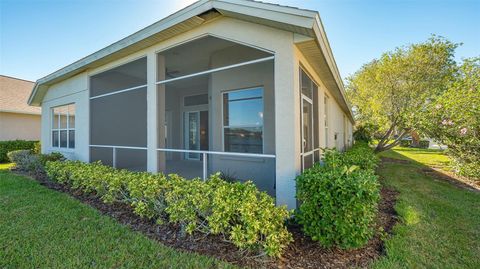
(415, 139)
(395, 143)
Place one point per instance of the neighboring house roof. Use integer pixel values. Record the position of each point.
(14, 95)
(303, 22)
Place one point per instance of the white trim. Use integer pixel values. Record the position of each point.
(119, 91)
(217, 70)
(59, 130)
(118, 147)
(303, 98)
(238, 154)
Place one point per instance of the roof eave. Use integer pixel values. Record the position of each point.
(307, 22)
(327, 51)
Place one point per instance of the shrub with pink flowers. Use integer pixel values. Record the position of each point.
(454, 119)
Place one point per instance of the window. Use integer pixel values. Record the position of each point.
(195, 100)
(325, 115)
(243, 120)
(63, 126)
(309, 118)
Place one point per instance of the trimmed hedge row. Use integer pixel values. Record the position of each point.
(339, 198)
(7, 146)
(239, 211)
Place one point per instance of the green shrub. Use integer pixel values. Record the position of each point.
(361, 155)
(7, 146)
(21, 158)
(363, 133)
(37, 147)
(34, 164)
(405, 143)
(424, 144)
(238, 211)
(339, 200)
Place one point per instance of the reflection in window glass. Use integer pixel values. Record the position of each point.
(71, 139)
(63, 139)
(63, 126)
(307, 85)
(55, 139)
(243, 120)
(246, 139)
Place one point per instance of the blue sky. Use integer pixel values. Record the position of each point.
(38, 37)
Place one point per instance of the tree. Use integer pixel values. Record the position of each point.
(390, 91)
(454, 119)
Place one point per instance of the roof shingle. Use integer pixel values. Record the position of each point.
(14, 95)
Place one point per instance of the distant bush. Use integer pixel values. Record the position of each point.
(405, 143)
(363, 133)
(7, 146)
(424, 144)
(31, 163)
(37, 147)
(361, 155)
(339, 199)
(21, 158)
(239, 211)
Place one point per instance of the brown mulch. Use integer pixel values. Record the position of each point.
(302, 253)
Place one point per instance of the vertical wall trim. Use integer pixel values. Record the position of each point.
(287, 124)
(152, 113)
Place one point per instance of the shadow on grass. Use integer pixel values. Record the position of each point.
(393, 156)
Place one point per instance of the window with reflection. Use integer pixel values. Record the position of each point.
(243, 120)
(63, 126)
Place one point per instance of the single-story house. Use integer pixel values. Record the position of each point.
(18, 120)
(245, 88)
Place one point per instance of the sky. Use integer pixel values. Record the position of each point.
(38, 37)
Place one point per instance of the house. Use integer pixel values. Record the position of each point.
(18, 120)
(245, 88)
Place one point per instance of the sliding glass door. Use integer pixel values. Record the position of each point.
(196, 133)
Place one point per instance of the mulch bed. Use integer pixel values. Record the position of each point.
(302, 253)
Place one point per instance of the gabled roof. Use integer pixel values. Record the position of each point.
(304, 22)
(14, 95)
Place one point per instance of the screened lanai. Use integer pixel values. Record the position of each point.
(215, 112)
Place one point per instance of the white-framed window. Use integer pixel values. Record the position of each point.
(243, 120)
(63, 126)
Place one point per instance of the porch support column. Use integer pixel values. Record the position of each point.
(160, 89)
(287, 126)
(152, 120)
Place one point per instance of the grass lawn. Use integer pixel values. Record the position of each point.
(440, 222)
(4, 166)
(42, 228)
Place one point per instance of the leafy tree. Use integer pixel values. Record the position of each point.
(454, 119)
(390, 91)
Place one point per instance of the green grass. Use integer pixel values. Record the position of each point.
(429, 157)
(4, 166)
(42, 228)
(440, 223)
